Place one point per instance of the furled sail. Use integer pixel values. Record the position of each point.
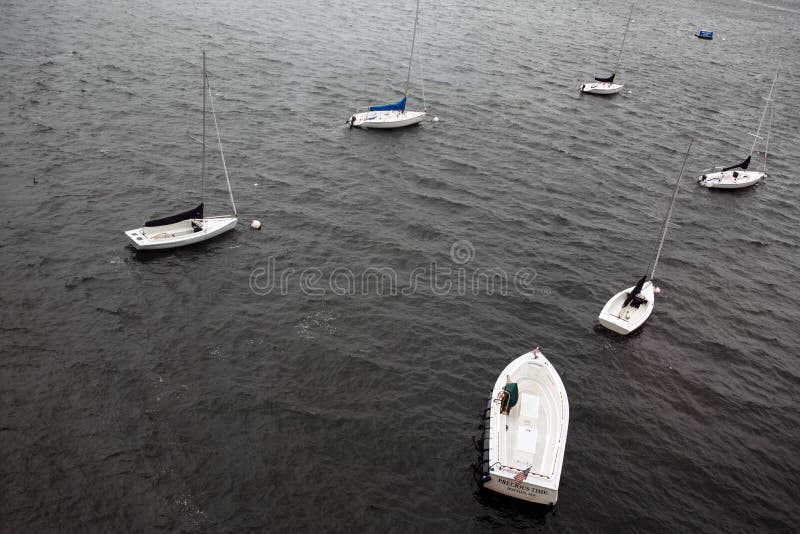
(636, 290)
(743, 165)
(196, 213)
(397, 106)
(610, 79)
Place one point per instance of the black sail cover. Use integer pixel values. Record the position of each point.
(196, 213)
(743, 165)
(636, 290)
(610, 79)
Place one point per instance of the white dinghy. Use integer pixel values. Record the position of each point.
(393, 115)
(738, 176)
(526, 433)
(190, 226)
(606, 86)
(629, 309)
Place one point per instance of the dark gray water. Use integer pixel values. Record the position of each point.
(180, 392)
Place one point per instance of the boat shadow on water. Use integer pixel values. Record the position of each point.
(608, 334)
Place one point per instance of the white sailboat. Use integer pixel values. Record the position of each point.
(526, 432)
(629, 309)
(738, 176)
(606, 86)
(393, 115)
(190, 226)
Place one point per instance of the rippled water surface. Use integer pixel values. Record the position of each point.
(161, 392)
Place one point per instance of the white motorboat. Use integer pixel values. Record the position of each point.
(606, 86)
(395, 115)
(526, 432)
(738, 176)
(629, 309)
(190, 226)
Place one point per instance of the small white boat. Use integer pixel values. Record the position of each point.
(738, 176)
(629, 309)
(602, 88)
(188, 227)
(731, 179)
(395, 115)
(179, 230)
(526, 432)
(606, 86)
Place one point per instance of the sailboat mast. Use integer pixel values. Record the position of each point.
(411, 57)
(619, 57)
(219, 142)
(203, 159)
(764, 114)
(665, 224)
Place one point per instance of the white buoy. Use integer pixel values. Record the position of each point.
(255, 225)
(656, 290)
(436, 119)
(255, 184)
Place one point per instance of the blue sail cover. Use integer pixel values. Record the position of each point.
(398, 106)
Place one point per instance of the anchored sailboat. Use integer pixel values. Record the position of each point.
(606, 86)
(738, 176)
(189, 226)
(393, 115)
(629, 309)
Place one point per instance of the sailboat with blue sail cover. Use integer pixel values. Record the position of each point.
(394, 115)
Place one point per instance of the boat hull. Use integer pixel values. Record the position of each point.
(602, 88)
(179, 234)
(532, 435)
(731, 179)
(386, 119)
(624, 320)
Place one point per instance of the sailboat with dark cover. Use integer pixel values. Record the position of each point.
(606, 86)
(191, 226)
(629, 309)
(739, 176)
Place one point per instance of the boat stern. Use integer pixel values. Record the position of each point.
(503, 482)
(137, 238)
